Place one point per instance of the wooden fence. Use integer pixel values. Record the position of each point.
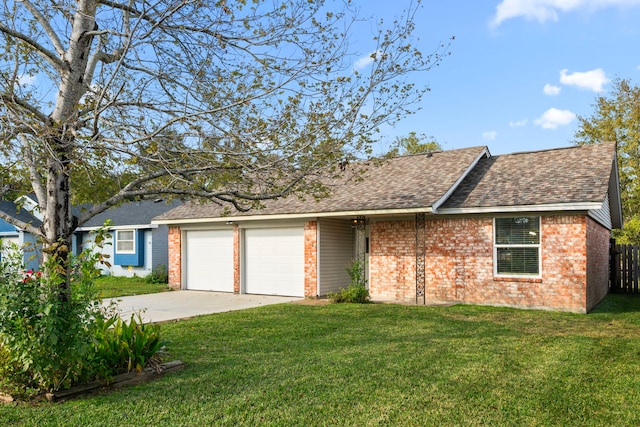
(624, 268)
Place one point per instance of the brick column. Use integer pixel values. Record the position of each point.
(236, 259)
(175, 257)
(311, 259)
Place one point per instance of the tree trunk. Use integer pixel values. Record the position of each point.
(58, 219)
(58, 225)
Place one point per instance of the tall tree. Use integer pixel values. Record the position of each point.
(414, 144)
(616, 117)
(234, 101)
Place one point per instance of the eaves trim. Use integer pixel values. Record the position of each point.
(119, 227)
(293, 216)
(552, 207)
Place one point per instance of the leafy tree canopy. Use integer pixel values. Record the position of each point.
(414, 144)
(616, 117)
(234, 101)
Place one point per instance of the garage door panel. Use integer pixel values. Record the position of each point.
(274, 261)
(209, 255)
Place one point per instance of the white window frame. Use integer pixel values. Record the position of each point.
(537, 245)
(118, 240)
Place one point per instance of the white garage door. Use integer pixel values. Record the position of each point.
(274, 261)
(209, 260)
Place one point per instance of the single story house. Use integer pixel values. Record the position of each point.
(136, 247)
(528, 230)
(11, 235)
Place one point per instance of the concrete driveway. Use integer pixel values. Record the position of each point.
(180, 304)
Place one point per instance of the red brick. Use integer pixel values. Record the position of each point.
(311, 259)
(459, 264)
(175, 257)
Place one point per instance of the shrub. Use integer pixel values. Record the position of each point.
(357, 291)
(159, 275)
(48, 343)
(45, 340)
(122, 347)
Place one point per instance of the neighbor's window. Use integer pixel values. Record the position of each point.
(517, 246)
(125, 242)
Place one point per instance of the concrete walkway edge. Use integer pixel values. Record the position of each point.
(173, 305)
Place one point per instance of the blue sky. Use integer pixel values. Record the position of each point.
(520, 70)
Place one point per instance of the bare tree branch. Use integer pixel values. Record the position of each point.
(10, 217)
(38, 48)
(231, 102)
(53, 36)
(34, 173)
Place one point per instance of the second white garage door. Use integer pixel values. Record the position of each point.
(274, 261)
(209, 255)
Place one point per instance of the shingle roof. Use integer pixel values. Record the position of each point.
(558, 176)
(10, 208)
(567, 175)
(405, 182)
(132, 213)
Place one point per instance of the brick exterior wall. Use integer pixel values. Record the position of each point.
(597, 263)
(459, 252)
(175, 258)
(392, 261)
(459, 264)
(311, 259)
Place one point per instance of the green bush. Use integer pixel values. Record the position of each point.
(357, 291)
(351, 294)
(122, 347)
(159, 275)
(45, 339)
(50, 341)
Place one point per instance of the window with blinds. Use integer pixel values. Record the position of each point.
(517, 246)
(125, 241)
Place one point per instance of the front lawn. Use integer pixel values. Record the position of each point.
(365, 365)
(112, 286)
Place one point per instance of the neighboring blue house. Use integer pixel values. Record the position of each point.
(10, 234)
(136, 246)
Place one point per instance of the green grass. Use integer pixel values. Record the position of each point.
(112, 286)
(375, 365)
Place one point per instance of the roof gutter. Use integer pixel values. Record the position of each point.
(119, 227)
(552, 207)
(294, 216)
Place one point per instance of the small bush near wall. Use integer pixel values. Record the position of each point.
(159, 275)
(357, 291)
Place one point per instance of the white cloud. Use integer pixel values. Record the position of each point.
(591, 80)
(551, 90)
(364, 61)
(549, 10)
(519, 123)
(553, 118)
(489, 135)
(26, 80)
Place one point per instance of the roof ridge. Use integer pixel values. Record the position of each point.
(545, 150)
(427, 153)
